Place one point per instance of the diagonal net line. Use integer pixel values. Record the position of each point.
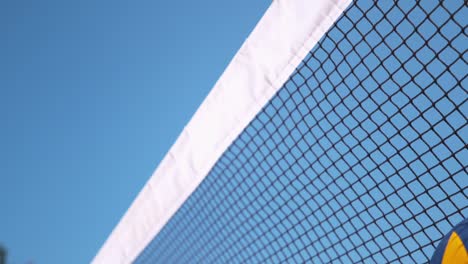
(361, 156)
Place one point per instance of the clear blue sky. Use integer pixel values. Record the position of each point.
(93, 94)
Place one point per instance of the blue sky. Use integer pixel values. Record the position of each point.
(92, 95)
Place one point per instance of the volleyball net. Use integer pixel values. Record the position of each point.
(359, 154)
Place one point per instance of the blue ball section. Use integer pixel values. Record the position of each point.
(360, 157)
(448, 250)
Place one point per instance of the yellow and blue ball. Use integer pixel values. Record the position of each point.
(453, 247)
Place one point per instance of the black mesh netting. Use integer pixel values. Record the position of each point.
(360, 157)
